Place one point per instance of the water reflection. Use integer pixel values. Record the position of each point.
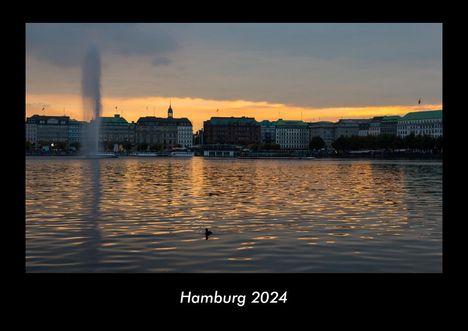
(91, 252)
(150, 215)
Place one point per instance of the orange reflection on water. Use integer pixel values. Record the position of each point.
(251, 206)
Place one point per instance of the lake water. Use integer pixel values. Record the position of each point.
(150, 214)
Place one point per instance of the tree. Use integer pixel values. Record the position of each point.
(109, 146)
(271, 146)
(409, 141)
(156, 147)
(61, 145)
(340, 144)
(143, 147)
(127, 146)
(316, 143)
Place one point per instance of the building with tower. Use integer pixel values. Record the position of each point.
(166, 133)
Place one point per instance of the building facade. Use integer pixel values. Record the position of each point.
(198, 137)
(46, 130)
(268, 132)
(167, 132)
(389, 125)
(231, 130)
(184, 132)
(115, 130)
(31, 132)
(421, 123)
(324, 130)
(347, 128)
(76, 131)
(292, 134)
(363, 129)
(374, 125)
(152, 130)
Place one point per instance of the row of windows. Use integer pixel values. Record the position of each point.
(294, 146)
(421, 131)
(421, 127)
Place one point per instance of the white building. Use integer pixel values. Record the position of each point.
(184, 129)
(292, 134)
(421, 123)
(184, 134)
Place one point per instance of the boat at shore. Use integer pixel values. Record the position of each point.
(145, 154)
(277, 157)
(182, 154)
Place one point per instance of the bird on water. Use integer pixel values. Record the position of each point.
(207, 233)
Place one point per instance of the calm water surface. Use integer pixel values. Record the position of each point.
(149, 215)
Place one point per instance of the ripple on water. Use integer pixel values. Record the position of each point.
(149, 215)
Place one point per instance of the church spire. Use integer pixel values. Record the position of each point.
(170, 113)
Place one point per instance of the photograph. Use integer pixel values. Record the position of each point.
(233, 148)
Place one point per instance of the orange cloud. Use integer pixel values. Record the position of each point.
(199, 110)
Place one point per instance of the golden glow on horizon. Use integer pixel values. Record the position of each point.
(199, 110)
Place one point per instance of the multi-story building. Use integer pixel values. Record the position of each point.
(292, 134)
(421, 123)
(347, 127)
(324, 130)
(45, 130)
(184, 132)
(268, 132)
(231, 130)
(389, 125)
(167, 132)
(115, 130)
(76, 131)
(31, 132)
(374, 125)
(363, 128)
(198, 137)
(152, 130)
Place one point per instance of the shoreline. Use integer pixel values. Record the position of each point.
(283, 158)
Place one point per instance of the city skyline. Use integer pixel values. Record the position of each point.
(267, 71)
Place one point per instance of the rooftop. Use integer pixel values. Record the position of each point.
(352, 121)
(232, 121)
(152, 120)
(290, 123)
(113, 120)
(321, 123)
(267, 123)
(54, 120)
(390, 118)
(423, 115)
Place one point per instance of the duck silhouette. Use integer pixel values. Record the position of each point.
(207, 233)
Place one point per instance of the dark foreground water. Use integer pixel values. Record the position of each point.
(149, 215)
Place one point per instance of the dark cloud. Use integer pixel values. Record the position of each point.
(64, 44)
(406, 43)
(318, 65)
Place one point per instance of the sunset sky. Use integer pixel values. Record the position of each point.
(267, 71)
